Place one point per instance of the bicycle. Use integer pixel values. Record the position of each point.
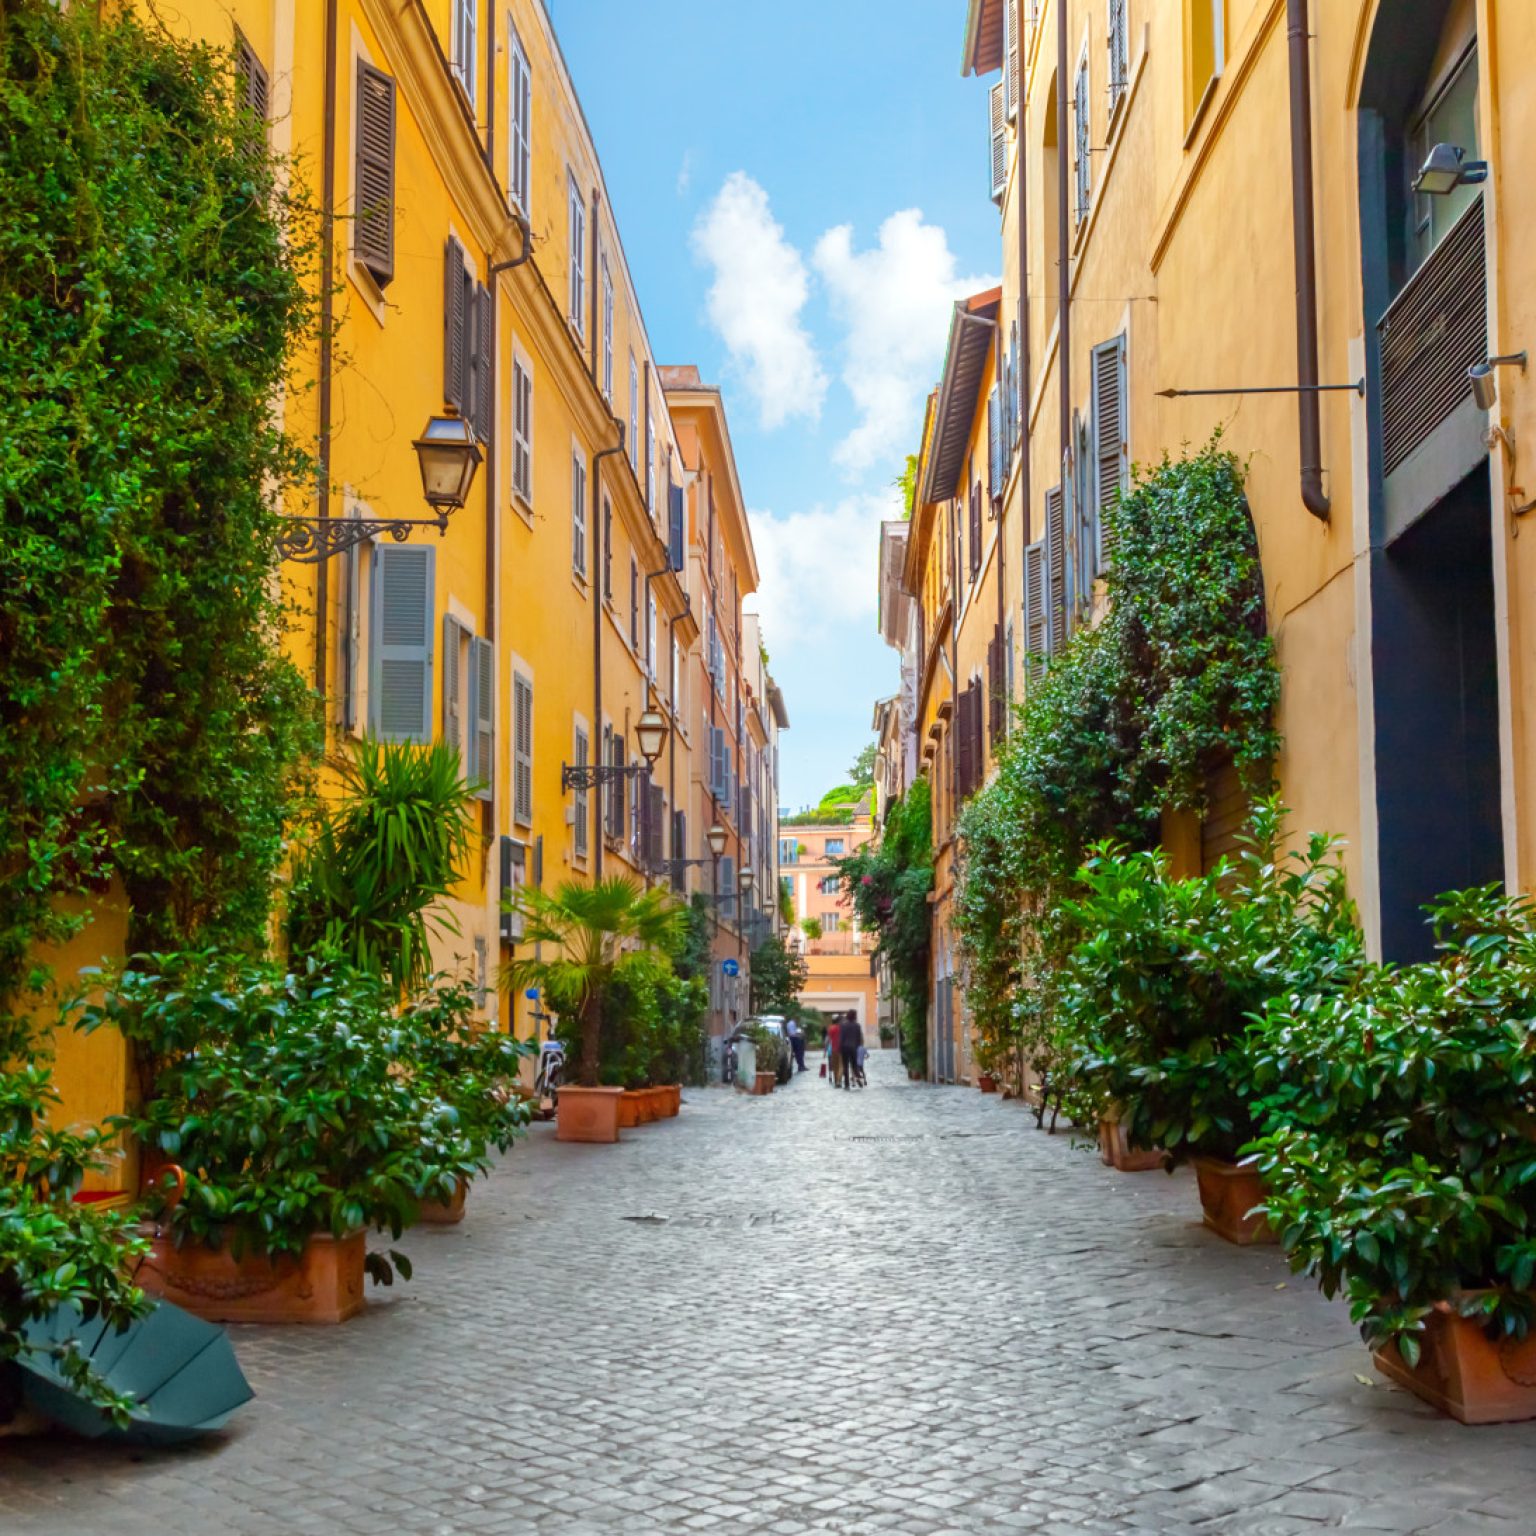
(547, 1080)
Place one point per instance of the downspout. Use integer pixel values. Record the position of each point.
(1023, 380)
(1313, 496)
(597, 642)
(327, 319)
(1063, 237)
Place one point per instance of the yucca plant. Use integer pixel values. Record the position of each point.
(369, 887)
(581, 938)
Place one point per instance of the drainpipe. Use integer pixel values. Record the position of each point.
(597, 643)
(1313, 497)
(1063, 235)
(327, 316)
(1024, 383)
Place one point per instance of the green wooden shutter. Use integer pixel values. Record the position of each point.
(374, 173)
(482, 704)
(400, 690)
(1055, 570)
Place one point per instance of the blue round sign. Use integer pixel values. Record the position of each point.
(731, 967)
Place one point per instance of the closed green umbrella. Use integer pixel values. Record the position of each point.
(180, 1371)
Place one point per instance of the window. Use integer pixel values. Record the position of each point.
(607, 548)
(1082, 164)
(829, 885)
(1110, 469)
(650, 635)
(579, 512)
(617, 798)
(607, 332)
(373, 187)
(997, 148)
(1117, 43)
(252, 88)
(481, 759)
(402, 627)
(579, 806)
(522, 428)
(727, 888)
(650, 459)
(455, 644)
(634, 412)
(789, 851)
(834, 848)
(831, 922)
(522, 749)
(675, 524)
(1205, 50)
(519, 123)
(469, 352)
(679, 849)
(1450, 118)
(578, 239)
(634, 604)
(465, 22)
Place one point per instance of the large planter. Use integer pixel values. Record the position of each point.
(631, 1104)
(1228, 1193)
(762, 1084)
(672, 1102)
(1466, 1374)
(323, 1284)
(1116, 1152)
(445, 1213)
(588, 1114)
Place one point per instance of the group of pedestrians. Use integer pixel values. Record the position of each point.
(845, 1051)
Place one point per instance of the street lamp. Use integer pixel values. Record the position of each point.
(746, 882)
(1447, 168)
(716, 837)
(449, 458)
(650, 729)
(651, 733)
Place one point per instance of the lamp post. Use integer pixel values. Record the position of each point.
(651, 732)
(448, 456)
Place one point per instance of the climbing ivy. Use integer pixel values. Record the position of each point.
(153, 290)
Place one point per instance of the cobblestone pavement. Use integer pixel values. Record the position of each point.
(900, 1310)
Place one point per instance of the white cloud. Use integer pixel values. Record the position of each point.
(760, 287)
(685, 173)
(894, 302)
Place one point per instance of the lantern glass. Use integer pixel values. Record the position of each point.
(449, 458)
(651, 733)
(716, 839)
(746, 880)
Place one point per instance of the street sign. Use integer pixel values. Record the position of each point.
(731, 967)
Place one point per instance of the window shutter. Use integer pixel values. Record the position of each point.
(1055, 570)
(251, 84)
(522, 749)
(975, 530)
(400, 691)
(482, 703)
(374, 181)
(522, 431)
(580, 805)
(455, 325)
(1011, 57)
(453, 691)
(485, 366)
(1037, 629)
(996, 707)
(675, 524)
(679, 849)
(994, 443)
(1109, 439)
(658, 816)
(998, 118)
(963, 744)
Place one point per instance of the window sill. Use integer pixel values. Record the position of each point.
(1201, 108)
(523, 506)
(367, 288)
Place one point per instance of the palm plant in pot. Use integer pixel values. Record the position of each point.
(583, 940)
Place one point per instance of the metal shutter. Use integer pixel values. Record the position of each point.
(400, 689)
(374, 189)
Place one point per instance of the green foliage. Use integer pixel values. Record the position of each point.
(370, 886)
(838, 814)
(53, 1252)
(611, 930)
(296, 1102)
(1156, 993)
(152, 293)
(786, 903)
(653, 1028)
(906, 483)
(779, 974)
(888, 884)
(861, 771)
(772, 1051)
(811, 927)
(1400, 1165)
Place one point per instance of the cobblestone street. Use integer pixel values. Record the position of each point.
(899, 1310)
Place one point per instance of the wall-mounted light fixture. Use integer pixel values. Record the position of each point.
(1485, 391)
(1447, 168)
(650, 732)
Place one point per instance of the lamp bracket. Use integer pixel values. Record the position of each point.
(594, 775)
(313, 540)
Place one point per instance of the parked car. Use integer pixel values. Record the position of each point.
(780, 1026)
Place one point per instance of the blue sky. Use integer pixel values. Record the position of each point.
(801, 194)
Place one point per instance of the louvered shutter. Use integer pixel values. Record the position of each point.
(658, 818)
(455, 325)
(374, 184)
(1055, 570)
(998, 121)
(522, 750)
(484, 406)
(1111, 466)
(994, 443)
(675, 524)
(679, 849)
(1011, 57)
(1037, 628)
(251, 84)
(453, 691)
(997, 707)
(400, 690)
(975, 529)
(482, 704)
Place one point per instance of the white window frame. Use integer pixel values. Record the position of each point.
(522, 809)
(519, 123)
(1082, 140)
(607, 332)
(579, 512)
(580, 808)
(576, 224)
(522, 427)
(1119, 83)
(466, 44)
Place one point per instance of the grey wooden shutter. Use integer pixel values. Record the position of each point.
(679, 849)
(482, 705)
(963, 744)
(975, 529)
(522, 749)
(400, 689)
(374, 180)
(658, 817)
(579, 806)
(484, 406)
(1109, 440)
(453, 689)
(1055, 570)
(253, 90)
(1037, 627)
(1011, 57)
(998, 120)
(674, 524)
(455, 326)
(994, 443)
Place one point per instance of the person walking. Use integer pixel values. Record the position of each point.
(849, 1041)
(834, 1056)
(797, 1042)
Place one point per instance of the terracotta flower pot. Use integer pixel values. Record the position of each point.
(764, 1083)
(445, 1213)
(588, 1114)
(1228, 1192)
(1466, 1374)
(631, 1105)
(673, 1101)
(323, 1284)
(655, 1103)
(1115, 1151)
(987, 1083)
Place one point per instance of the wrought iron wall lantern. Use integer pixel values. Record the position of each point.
(650, 733)
(448, 456)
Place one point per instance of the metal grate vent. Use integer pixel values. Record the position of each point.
(1432, 332)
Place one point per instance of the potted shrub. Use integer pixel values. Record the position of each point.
(1157, 990)
(1401, 1158)
(586, 940)
(769, 1051)
(294, 1103)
